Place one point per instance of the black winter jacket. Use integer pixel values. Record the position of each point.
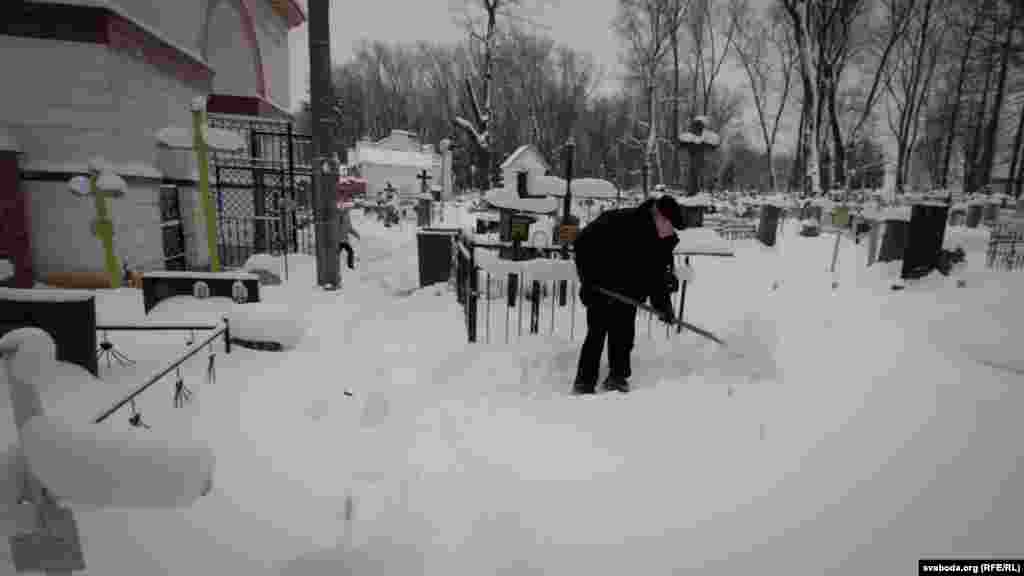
(620, 251)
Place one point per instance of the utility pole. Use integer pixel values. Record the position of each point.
(325, 172)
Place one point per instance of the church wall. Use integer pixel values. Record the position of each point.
(96, 102)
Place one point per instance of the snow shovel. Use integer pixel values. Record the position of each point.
(758, 360)
(671, 321)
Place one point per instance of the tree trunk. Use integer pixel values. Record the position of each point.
(674, 136)
(1020, 180)
(800, 155)
(838, 151)
(989, 152)
(1018, 139)
(972, 160)
(808, 72)
(947, 152)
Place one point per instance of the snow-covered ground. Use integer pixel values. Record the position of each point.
(885, 427)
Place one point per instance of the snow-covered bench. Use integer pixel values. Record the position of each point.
(237, 286)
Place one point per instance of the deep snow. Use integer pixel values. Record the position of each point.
(887, 429)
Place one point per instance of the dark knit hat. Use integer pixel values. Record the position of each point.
(670, 209)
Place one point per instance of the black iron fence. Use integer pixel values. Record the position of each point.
(262, 191)
(1006, 248)
(512, 304)
(239, 238)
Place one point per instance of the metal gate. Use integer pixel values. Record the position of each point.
(260, 193)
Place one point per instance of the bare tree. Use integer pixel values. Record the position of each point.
(766, 55)
(644, 25)
(910, 84)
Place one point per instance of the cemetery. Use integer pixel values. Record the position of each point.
(196, 383)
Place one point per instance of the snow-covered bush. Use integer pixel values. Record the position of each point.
(266, 323)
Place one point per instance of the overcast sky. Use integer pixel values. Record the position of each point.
(582, 24)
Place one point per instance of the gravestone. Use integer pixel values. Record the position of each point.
(894, 240)
(769, 224)
(974, 214)
(70, 321)
(924, 244)
(957, 216)
(990, 213)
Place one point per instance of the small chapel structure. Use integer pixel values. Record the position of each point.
(398, 163)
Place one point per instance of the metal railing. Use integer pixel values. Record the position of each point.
(1005, 248)
(240, 238)
(550, 305)
(223, 331)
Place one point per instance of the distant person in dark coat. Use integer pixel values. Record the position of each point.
(628, 251)
(345, 231)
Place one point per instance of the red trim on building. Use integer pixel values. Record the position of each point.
(15, 221)
(296, 16)
(243, 106)
(127, 36)
(101, 25)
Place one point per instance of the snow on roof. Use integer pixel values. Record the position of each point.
(522, 150)
(127, 169)
(581, 187)
(387, 157)
(702, 240)
(510, 200)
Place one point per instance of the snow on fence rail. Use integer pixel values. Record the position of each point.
(540, 293)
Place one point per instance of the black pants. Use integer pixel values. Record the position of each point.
(350, 254)
(617, 322)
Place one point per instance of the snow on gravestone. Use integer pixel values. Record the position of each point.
(267, 323)
(93, 466)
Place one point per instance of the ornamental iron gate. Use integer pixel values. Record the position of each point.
(261, 191)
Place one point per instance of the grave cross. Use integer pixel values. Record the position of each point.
(423, 177)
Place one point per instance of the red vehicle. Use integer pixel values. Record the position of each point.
(349, 187)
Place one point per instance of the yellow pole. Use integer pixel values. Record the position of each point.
(105, 232)
(202, 158)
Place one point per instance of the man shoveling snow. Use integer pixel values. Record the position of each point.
(628, 252)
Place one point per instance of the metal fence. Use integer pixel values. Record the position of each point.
(262, 191)
(1006, 248)
(503, 307)
(240, 238)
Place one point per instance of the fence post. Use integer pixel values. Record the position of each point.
(472, 295)
(535, 308)
(227, 336)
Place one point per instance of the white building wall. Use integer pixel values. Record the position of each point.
(92, 102)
